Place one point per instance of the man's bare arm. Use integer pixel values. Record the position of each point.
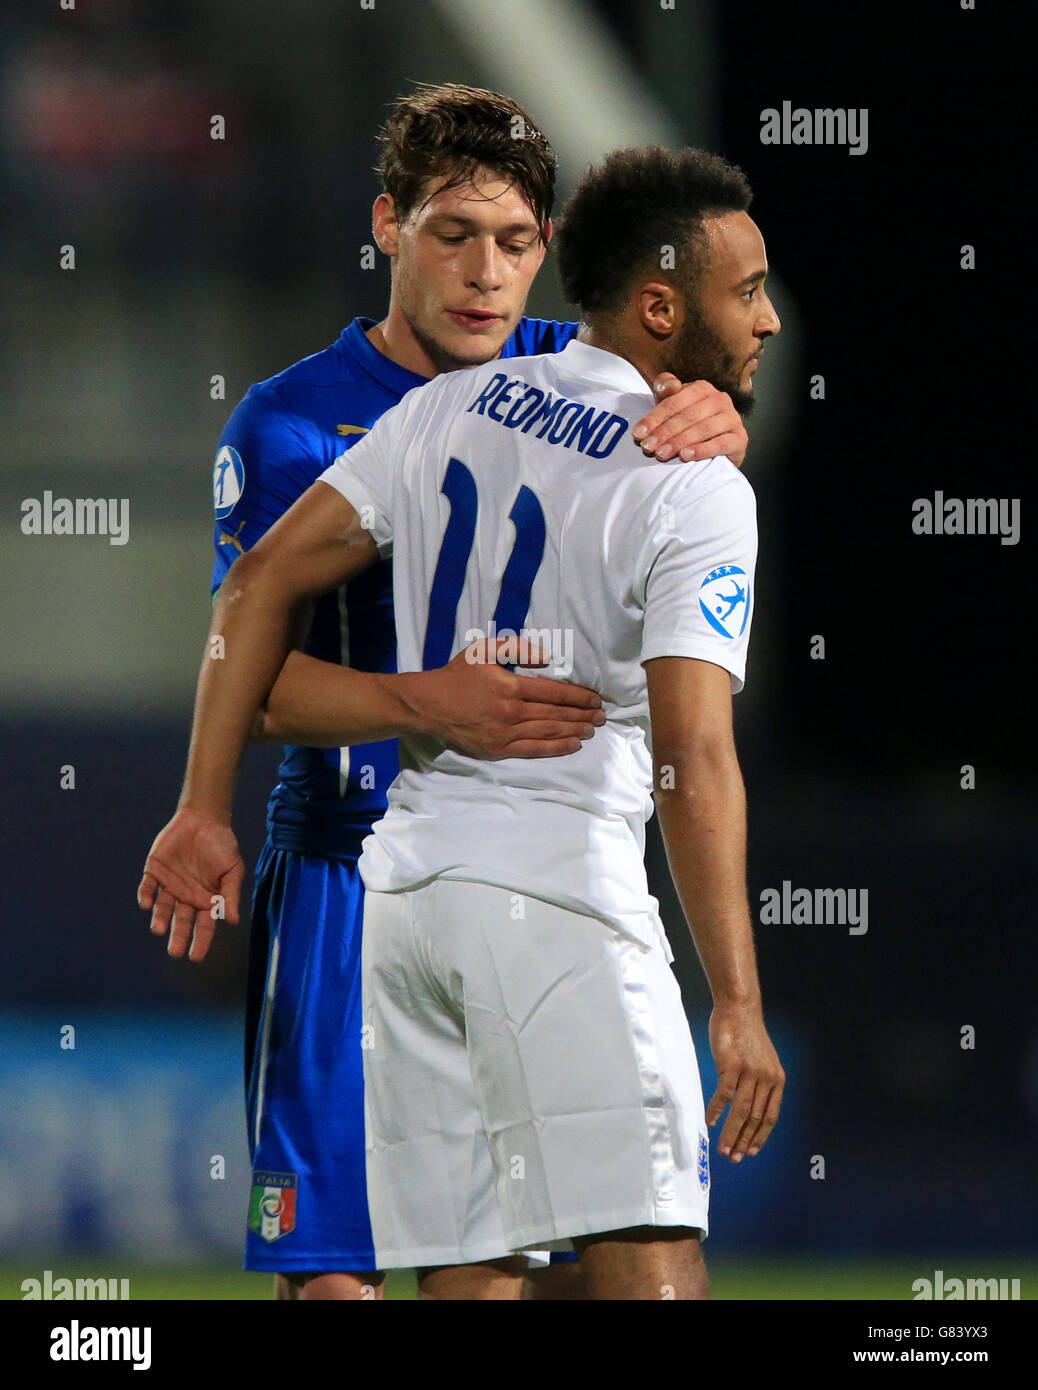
(474, 704)
(193, 873)
(318, 544)
(702, 808)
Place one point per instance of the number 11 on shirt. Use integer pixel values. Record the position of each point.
(513, 604)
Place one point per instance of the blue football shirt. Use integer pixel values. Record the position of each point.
(278, 441)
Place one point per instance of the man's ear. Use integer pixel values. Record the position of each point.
(657, 307)
(384, 225)
(542, 243)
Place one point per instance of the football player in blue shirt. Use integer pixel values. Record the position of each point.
(465, 219)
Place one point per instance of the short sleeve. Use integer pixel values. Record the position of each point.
(366, 474)
(701, 558)
(267, 457)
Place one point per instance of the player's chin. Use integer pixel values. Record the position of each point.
(472, 349)
(742, 395)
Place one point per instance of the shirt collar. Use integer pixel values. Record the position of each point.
(390, 375)
(594, 363)
(597, 364)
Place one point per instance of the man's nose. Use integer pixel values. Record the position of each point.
(770, 323)
(483, 269)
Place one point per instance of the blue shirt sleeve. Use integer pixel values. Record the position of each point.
(267, 458)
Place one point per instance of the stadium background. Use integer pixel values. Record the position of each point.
(198, 258)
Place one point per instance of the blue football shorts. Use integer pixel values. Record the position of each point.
(304, 1070)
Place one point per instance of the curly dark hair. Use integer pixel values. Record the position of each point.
(449, 129)
(627, 210)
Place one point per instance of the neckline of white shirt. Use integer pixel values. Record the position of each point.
(606, 366)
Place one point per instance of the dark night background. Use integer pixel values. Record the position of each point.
(196, 257)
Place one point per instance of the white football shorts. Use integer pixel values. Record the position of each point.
(529, 1076)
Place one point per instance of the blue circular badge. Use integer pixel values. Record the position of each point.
(724, 597)
(228, 481)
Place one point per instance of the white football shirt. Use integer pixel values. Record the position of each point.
(512, 497)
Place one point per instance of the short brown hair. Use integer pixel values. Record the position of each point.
(450, 129)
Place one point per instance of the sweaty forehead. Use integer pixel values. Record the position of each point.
(486, 197)
(736, 245)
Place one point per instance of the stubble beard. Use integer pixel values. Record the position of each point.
(699, 354)
(441, 357)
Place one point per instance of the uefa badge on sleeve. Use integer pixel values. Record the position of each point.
(724, 597)
(272, 1209)
(228, 481)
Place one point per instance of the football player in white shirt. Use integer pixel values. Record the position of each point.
(529, 1070)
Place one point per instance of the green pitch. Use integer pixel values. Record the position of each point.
(730, 1279)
